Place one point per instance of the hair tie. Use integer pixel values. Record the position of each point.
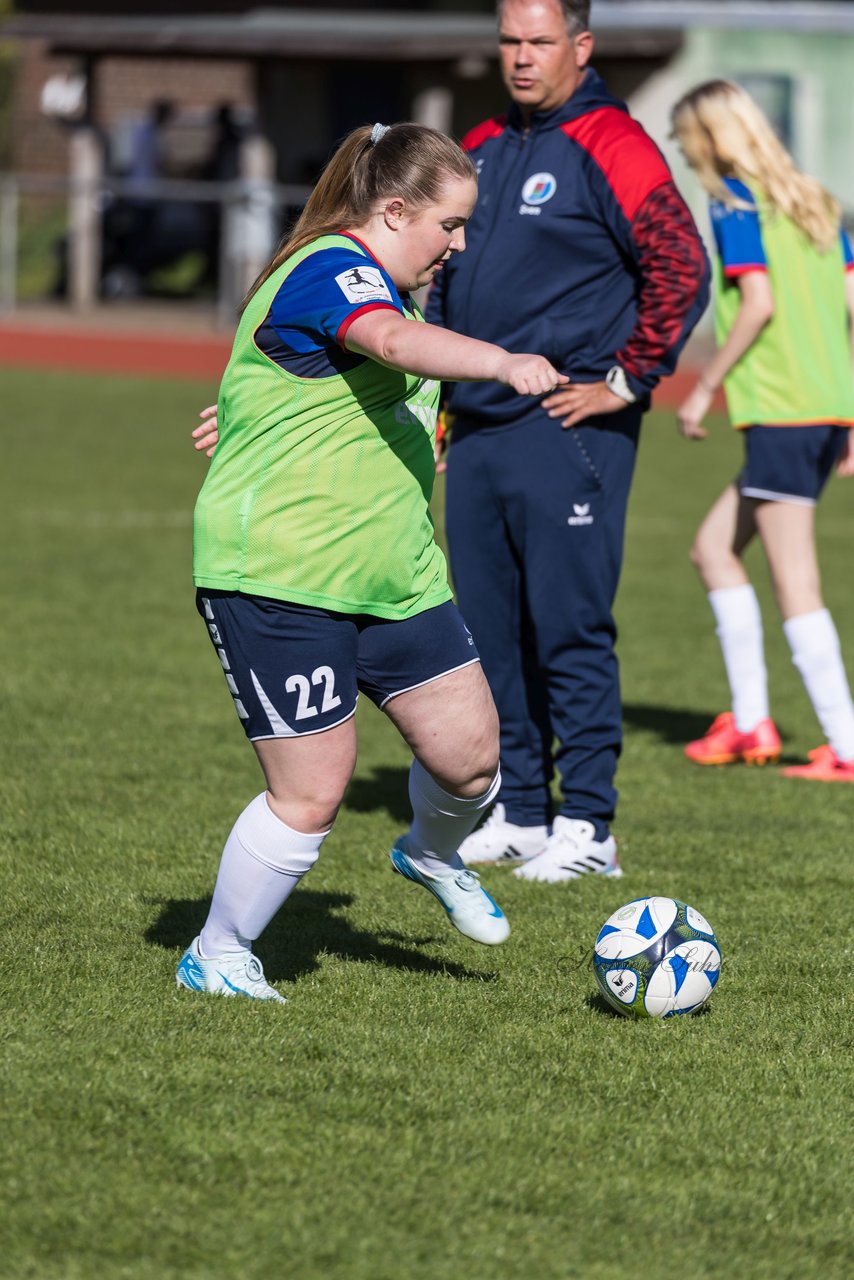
(379, 131)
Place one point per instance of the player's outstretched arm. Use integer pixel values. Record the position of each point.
(207, 435)
(756, 309)
(425, 349)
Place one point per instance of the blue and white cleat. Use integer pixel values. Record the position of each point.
(240, 974)
(470, 908)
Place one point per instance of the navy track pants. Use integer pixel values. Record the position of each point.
(535, 519)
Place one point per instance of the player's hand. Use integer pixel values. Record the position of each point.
(692, 411)
(581, 401)
(845, 465)
(530, 375)
(207, 435)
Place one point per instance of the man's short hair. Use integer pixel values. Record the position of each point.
(576, 14)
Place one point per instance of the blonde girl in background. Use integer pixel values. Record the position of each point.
(784, 300)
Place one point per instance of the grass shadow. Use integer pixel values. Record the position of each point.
(598, 1004)
(669, 724)
(387, 789)
(677, 726)
(313, 924)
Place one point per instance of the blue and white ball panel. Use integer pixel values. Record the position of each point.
(684, 979)
(698, 922)
(635, 927)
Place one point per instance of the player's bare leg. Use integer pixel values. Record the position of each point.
(307, 776)
(719, 543)
(451, 727)
(787, 530)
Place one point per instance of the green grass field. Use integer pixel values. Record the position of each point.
(422, 1109)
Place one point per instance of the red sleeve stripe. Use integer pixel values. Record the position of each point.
(849, 266)
(629, 159)
(483, 132)
(744, 269)
(361, 311)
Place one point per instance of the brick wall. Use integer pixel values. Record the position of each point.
(124, 86)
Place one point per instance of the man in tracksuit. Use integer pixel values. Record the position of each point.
(582, 249)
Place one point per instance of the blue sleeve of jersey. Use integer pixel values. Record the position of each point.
(847, 255)
(322, 297)
(737, 233)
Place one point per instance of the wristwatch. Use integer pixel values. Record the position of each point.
(616, 381)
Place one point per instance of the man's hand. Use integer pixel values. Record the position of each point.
(207, 435)
(845, 465)
(581, 401)
(692, 411)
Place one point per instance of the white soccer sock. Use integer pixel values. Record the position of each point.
(814, 643)
(441, 821)
(262, 863)
(739, 630)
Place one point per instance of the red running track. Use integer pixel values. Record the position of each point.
(146, 354)
(165, 355)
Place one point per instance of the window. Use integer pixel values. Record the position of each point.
(775, 94)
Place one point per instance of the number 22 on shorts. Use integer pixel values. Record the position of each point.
(302, 686)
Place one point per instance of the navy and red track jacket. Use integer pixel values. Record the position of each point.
(580, 248)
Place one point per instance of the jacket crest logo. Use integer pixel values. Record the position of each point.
(539, 188)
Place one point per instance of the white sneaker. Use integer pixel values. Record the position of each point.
(239, 974)
(571, 852)
(470, 908)
(500, 841)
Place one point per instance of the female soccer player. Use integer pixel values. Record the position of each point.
(316, 568)
(784, 296)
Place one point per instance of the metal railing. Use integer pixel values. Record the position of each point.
(253, 215)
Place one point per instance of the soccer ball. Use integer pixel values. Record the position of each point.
(656, 957)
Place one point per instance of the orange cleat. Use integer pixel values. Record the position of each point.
(724, 744)
(824, 766)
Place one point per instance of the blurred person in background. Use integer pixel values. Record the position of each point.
(784, 302)
(147, 148)
(221, 165)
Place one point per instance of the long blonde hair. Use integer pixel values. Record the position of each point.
(723, 133)
(370, 166)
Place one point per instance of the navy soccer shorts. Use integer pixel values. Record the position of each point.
(294, 670)
(789, 464)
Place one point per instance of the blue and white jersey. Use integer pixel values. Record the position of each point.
(738, 234)
(309, 317)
